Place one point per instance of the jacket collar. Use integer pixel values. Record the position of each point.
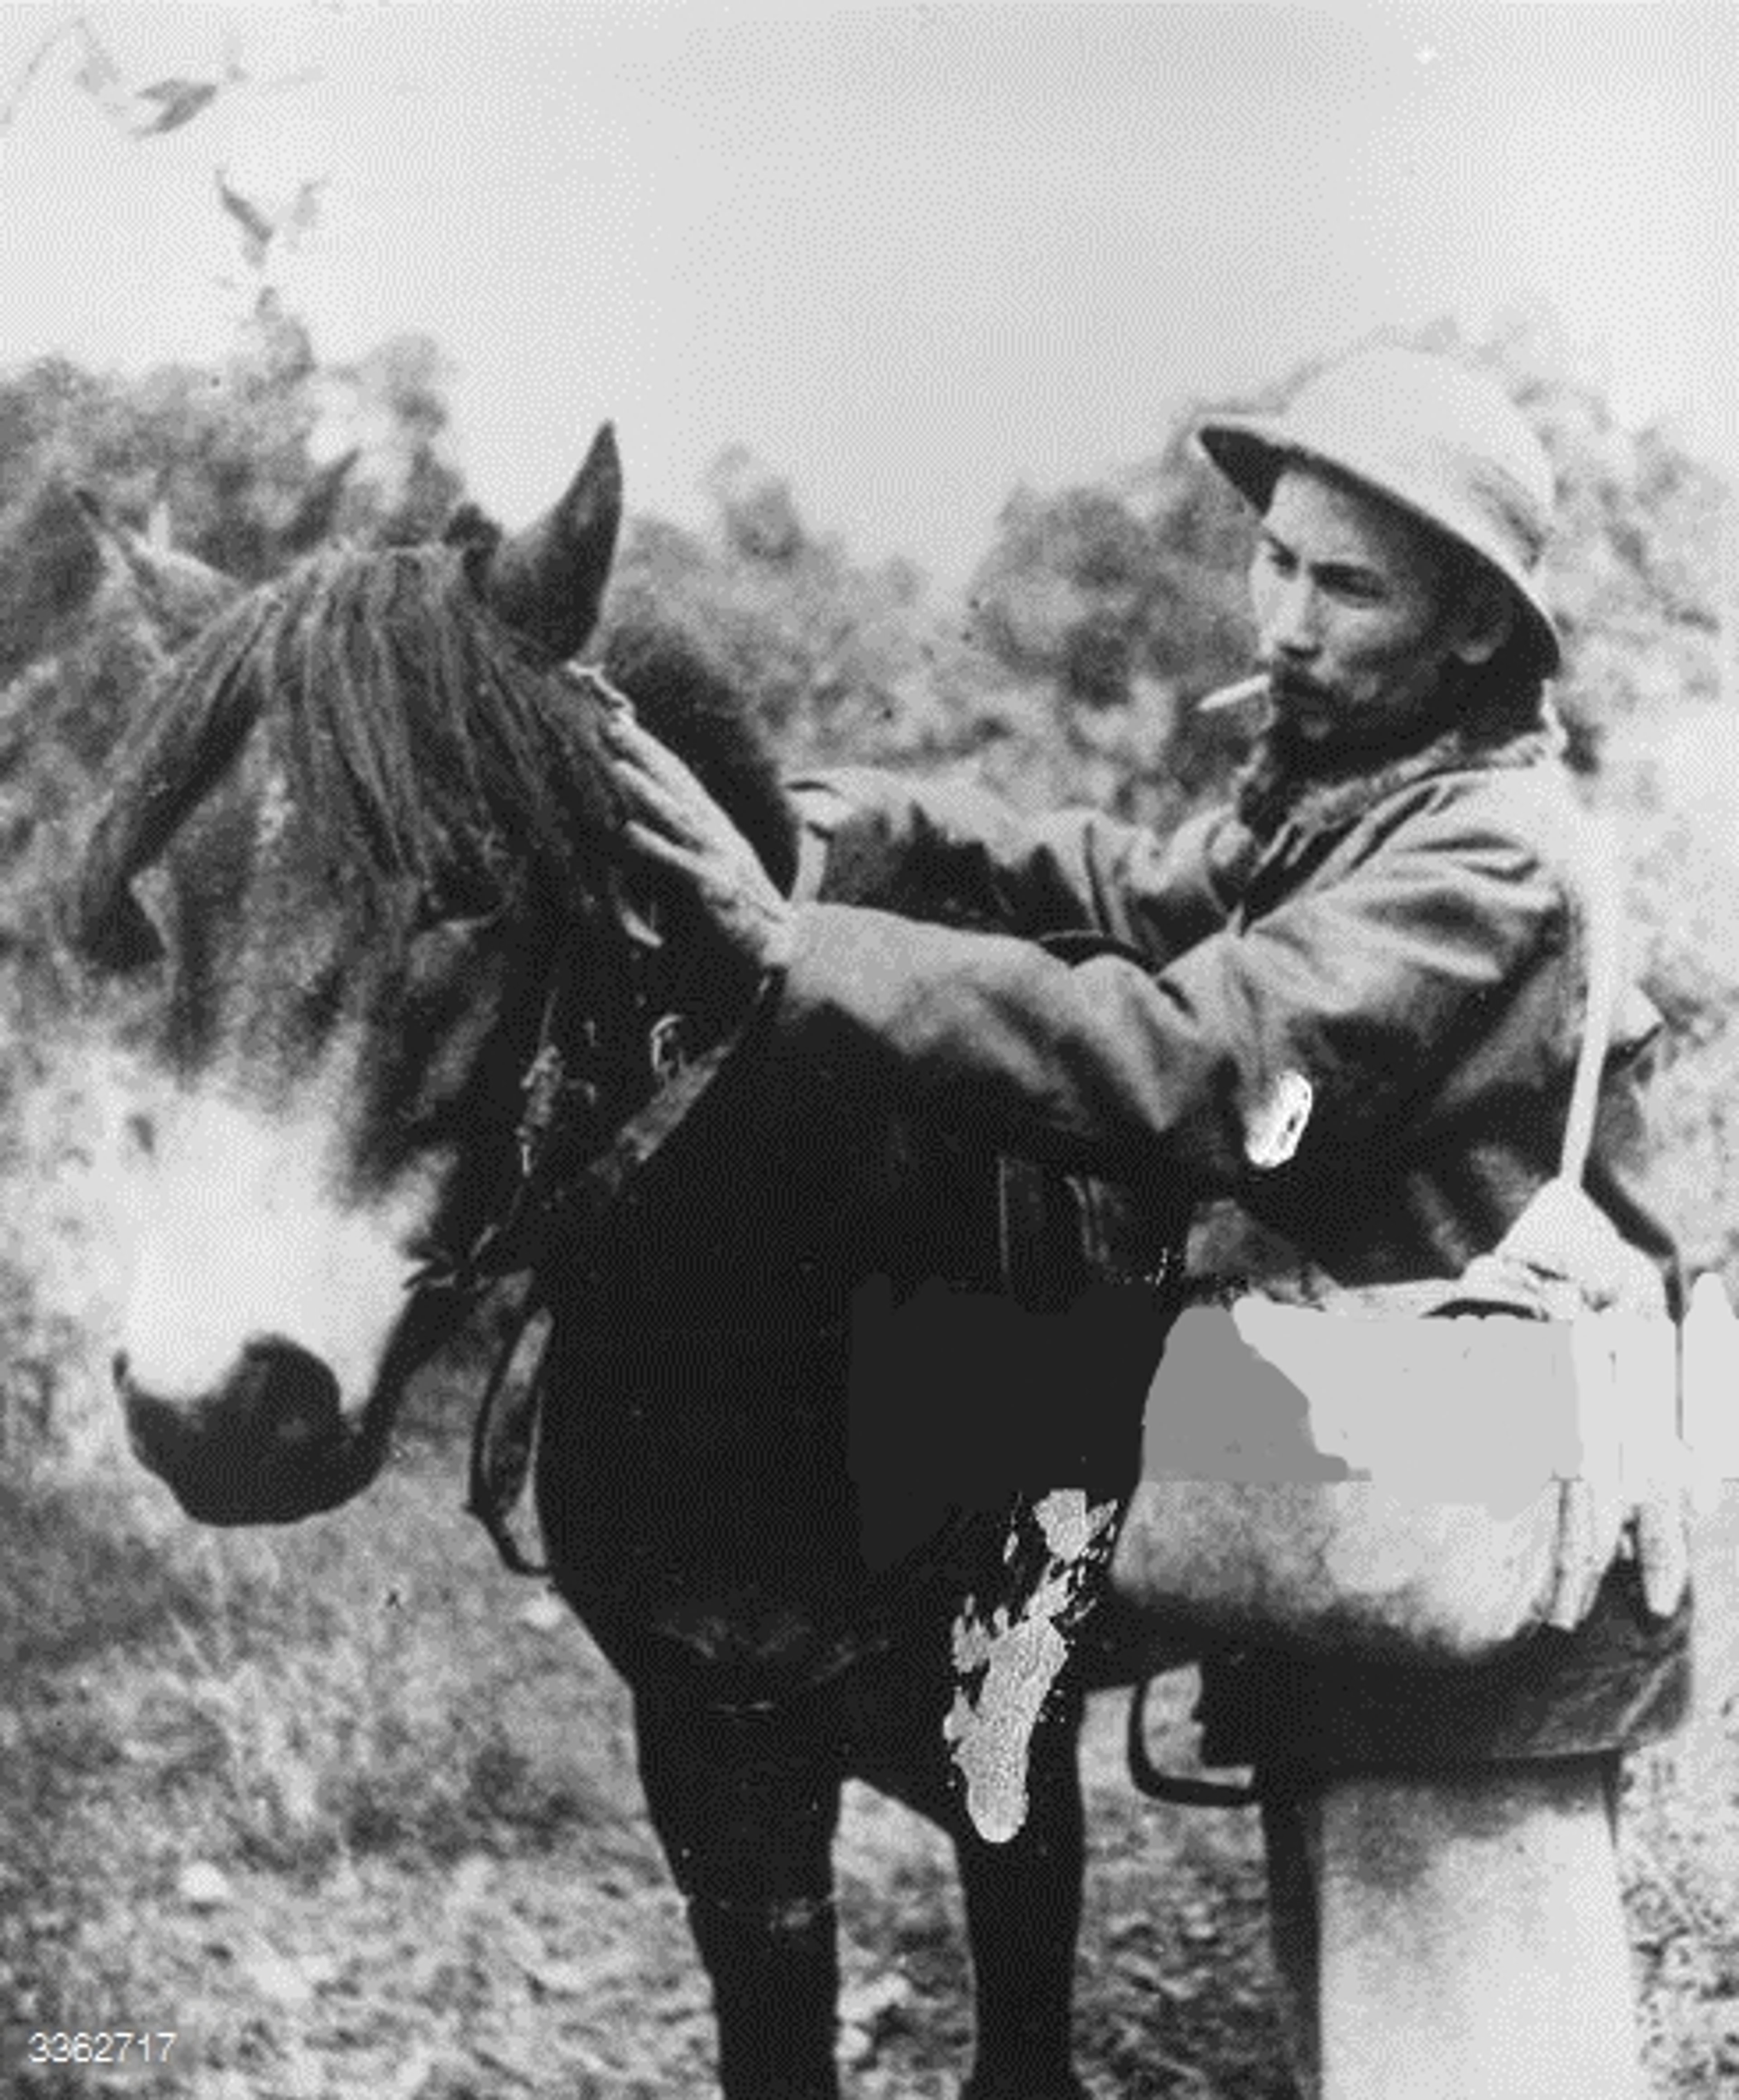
(1271, 798)
(1278, 815)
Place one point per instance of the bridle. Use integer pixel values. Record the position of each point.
(560, 1208)
(593, 1119)
(568, 1179)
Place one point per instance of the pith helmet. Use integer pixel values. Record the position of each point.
(1441, 439)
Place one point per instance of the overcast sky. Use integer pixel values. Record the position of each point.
(908, 256)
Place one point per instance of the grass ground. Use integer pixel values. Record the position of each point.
(356, 1814)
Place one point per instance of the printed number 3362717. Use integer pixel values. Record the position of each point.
(115, 2045)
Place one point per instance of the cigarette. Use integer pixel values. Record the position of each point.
(1252, 688)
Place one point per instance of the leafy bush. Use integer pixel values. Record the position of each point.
(842, 662)
(248, 464)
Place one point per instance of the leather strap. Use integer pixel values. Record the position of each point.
(1146, 1777)
(1601, 925)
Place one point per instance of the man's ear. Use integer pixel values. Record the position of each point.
(1486, 621)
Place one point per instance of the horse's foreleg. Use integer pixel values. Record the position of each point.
(747, 1818)
(1022, 1904)
(1456, 1937)
(775, 1974)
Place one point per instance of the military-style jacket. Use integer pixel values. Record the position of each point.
(1411, 943)
(1414, 944)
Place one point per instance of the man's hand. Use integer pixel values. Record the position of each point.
(673, 821)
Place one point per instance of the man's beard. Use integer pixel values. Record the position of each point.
(1284, 763)
(1353, 746)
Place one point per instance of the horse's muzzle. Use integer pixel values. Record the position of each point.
(268, 1445)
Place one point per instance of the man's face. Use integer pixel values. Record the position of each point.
(1357, 613)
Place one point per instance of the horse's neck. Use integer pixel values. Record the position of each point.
(783, 1196)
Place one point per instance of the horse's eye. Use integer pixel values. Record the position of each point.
(462, 896)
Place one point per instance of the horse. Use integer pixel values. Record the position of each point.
(803, 1468)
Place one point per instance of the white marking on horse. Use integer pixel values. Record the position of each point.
(1020, 1656)
(239, 1232)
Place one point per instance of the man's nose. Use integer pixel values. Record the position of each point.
(1292, 627)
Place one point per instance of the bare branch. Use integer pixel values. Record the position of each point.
(33, 65)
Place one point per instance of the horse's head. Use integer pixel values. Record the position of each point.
(352, 830)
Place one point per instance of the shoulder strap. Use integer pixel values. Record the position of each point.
(1600, 933)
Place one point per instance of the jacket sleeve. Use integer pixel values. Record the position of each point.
(942, 850)
(1370, 987)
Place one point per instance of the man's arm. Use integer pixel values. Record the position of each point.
(947, 852)
(1366, 990)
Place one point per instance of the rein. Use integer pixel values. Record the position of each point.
(559, 1207)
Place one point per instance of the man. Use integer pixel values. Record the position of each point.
(1384, 933)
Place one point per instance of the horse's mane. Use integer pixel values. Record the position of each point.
(432, 755)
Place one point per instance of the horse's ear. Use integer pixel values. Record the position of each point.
(547, 583)
(176, 591)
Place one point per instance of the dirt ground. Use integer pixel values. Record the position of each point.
(356, 1816)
